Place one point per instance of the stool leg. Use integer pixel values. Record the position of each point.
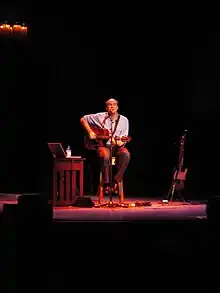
(100, 189)
(121, 192)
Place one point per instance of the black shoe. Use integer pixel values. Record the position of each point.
(106, 190)
(115, 188)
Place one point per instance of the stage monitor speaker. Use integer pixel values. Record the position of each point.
(83, 202)
(32, 198)
(26, 235)
(213, 209)
(34, 205)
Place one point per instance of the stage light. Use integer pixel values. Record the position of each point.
(5, 29)
(13, 30)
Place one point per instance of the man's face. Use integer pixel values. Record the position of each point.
(112, 106)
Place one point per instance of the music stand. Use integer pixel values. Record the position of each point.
(57, 150)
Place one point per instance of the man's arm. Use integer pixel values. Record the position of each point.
(85, 123)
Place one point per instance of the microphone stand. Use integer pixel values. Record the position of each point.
(111, 204)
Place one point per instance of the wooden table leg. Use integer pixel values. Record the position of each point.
(68, 191)
(54, 184)
(73, 186)
(61, 182)
(81, 180)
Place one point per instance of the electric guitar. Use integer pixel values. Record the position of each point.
(179, 176)
(102, 136)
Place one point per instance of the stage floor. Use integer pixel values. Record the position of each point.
(194, 210)
(142, 244)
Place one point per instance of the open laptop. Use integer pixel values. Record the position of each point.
(57, 150)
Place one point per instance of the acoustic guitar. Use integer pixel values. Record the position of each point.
(102, 136)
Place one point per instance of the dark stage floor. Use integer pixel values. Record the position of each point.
(150, 246)
(156, 211)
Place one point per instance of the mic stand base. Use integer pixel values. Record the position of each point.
(111, 204)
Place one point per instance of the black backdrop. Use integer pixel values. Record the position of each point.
(163, 68)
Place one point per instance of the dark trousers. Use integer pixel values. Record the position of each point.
(122, 160)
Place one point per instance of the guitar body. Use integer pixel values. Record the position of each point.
(101, 139)
(179, 179)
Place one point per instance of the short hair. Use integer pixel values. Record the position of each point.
(111, 98)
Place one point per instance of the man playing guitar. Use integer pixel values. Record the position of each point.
(104, 125)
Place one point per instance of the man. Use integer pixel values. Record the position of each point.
(118, 126)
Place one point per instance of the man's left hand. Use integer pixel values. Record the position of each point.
(119, 142)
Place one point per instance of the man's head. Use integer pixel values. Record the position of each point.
(111, 106)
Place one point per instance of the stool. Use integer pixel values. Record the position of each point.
(101, 186)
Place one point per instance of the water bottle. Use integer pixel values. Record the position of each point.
(68, 152)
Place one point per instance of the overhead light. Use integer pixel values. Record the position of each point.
(13, 30)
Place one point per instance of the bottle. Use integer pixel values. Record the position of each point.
(68, 152)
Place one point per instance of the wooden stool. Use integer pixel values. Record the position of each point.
(101, 186)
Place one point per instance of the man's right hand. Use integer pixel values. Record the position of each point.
(92, 134)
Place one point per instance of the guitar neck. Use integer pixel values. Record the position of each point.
(103, 134)
(102, 137)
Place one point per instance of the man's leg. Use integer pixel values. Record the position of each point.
(122, 161)
(104, 156)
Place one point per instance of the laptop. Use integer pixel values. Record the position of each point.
(57, 150)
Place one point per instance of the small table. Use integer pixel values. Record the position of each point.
(67, 172)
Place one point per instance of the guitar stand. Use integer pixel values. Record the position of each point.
(179, 176)
(173, 189)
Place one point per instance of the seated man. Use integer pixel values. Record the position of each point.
(117, 127)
